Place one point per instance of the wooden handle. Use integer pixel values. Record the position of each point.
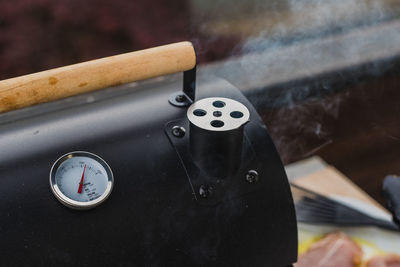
(92, 75)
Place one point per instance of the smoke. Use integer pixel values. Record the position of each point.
(303, 56)
(304, 19)
(301, 129)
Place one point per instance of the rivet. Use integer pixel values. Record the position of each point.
(252, 177)
(178, 131)
(205, 191)
(180, 98)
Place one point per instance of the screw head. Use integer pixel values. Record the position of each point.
(205, 191)
(178, 131)
(180, 98)
(252, 177)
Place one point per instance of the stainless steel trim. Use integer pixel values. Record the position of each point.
(222, 114)
(73, 203)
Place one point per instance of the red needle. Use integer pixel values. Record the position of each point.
(81, 183)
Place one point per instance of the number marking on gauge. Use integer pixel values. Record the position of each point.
(81, 180)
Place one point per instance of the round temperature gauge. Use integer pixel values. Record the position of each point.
(81, 180)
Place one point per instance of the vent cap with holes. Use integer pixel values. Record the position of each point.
(218, 114)
(216, 134)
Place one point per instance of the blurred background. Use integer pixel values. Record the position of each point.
(322, 73)
(42, 34)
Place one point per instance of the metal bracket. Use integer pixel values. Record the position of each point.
(185, 97)
(220, 188)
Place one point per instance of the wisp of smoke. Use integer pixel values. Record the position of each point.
(297, 122)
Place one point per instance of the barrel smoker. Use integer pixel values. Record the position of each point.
(139, 175)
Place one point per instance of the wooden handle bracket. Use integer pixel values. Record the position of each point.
(188, 94)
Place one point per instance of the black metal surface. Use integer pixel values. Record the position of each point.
(185, 97)
(391, 193)
(221, 186)
(152, 217)
(219, 154)
(189, 83)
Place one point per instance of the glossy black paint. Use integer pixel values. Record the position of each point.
(391, 193)
(153, 217)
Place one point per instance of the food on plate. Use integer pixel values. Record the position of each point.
(384, 261)
(334, 250)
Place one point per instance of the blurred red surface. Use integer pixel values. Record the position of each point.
(43, 34)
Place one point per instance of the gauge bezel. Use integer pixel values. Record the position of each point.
(73, 203)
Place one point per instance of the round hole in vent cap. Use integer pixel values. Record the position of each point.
(219, 104)
(217, 123)
(199, 112)
(236, 114)
(217, 113)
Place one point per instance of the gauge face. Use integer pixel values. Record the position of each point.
(81, 180)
